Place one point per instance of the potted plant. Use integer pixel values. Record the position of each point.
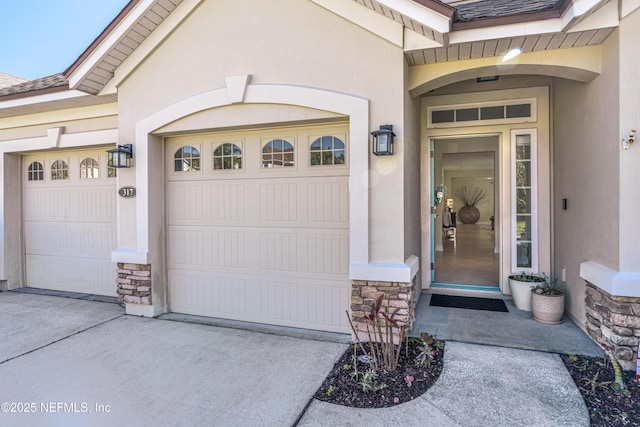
(547, 302)
(470, 197)
(521, 286)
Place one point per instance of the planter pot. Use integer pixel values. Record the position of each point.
(521, 293)
(547, 309)
(469, 214)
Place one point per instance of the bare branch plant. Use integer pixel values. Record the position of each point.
(471, 196)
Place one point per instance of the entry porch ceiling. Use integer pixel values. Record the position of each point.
(568, 26)
(498, 47)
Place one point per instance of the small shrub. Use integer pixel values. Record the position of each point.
(381, 329)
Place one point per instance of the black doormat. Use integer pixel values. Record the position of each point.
(488, 304)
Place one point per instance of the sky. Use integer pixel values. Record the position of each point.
(39, 38)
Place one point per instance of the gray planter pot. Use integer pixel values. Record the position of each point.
(469, 214)
(547, 309)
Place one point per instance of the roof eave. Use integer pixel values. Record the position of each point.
(438, 7)
(103, 35)
(555, 13)
(33, 93)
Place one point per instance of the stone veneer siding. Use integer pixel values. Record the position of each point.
(396, 295)
(134, 283)
(615, 320)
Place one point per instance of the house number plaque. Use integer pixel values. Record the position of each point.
(127, 192)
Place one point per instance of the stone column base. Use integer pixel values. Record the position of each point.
(134, 283)
(616, 321)
(403, 296)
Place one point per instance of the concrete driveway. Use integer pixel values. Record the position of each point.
(78, 363)
(68, 362)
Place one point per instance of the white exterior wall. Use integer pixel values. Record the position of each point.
(629, 114)
(586, 153)
(411, 166)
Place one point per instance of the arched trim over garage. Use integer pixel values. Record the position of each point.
(237, 91)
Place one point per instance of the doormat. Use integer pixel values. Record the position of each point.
(472, 303)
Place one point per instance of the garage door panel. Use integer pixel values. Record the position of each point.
(85, 275)
(203, 292)
(328, 253)
(278, 251)
(47, 203)
(186, 203)
(298, 303)
(200, 203)
(328, 201)
(278, 202)
(69, 225)
(279, 300)
(207, 247)
(328, 305)
(304, 303)
(70, 239)
(227, 202)
(268, 245)
(71, 203)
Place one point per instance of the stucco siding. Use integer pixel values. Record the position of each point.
(288, 42)
(586, 172)
(412, 185)
(629, 114)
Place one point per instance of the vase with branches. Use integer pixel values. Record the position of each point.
(470, 197)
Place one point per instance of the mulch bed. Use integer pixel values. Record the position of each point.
(607, 406)
(341, 388)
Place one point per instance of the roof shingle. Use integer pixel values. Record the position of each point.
(484, 9)
(56, 80)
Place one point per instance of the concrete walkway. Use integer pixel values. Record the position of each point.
(86, 363)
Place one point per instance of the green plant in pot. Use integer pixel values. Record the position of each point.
(470, 197)
(547, 302)
(521, 285)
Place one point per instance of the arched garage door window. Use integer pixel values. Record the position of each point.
(277, 153)
(35, 172)
(187, 159)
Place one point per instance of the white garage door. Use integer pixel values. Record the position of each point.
(70, 221)
(258, 226)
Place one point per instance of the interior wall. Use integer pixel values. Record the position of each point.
(482, 179)
(586, 150)
(443, 147)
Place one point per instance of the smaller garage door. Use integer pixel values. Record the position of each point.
(258, 226)
(69, 205)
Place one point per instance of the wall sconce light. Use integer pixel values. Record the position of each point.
(626, 142)
(120, 157)
(383, 140)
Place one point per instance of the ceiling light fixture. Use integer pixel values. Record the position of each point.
(511, 54)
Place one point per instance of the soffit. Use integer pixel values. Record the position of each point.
(99, 67)
(57, 101)
(409, 22)
(498, 47)
(531, 25)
